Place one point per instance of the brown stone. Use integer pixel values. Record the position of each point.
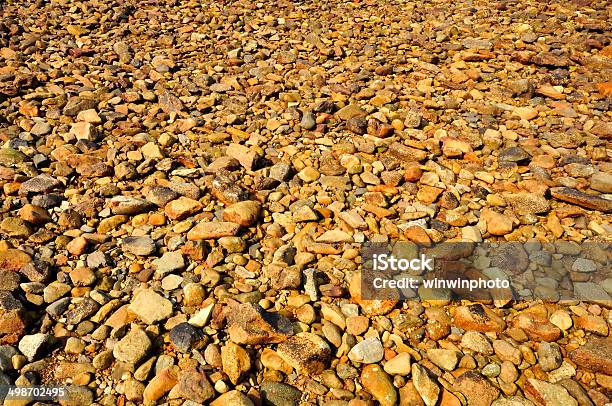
(372, 307)
(34, 214)
(547, 394)
(582, 199)
(497, 223)
(161, 384)
(249, 159)
(406, 153)
(595, 355)
(409, 396)
(182, 208)
(476, 388)
(207, 230)
(244, 213)
(236, 361)
(478, 318)
(232, 398)
(192, 385)
(249, 324)
(379, 384)
(308, 353)
(14, 260)
(537, 328)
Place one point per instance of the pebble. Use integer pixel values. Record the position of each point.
(549, 356)
(250, 324)
(307, 353)
(445, 359)
(280, 394)
(169, 262)
(185, 337)
(602, 182)
(476, 317)
(476, 388)
(212, 230)
(236, 361)
(477, 342)
(582, 199)
(595, 355)
(232, 398)
(368, 351)
(547, 394)
(398, 365)
(425, 385)
(150, 307)
(133, 347)
(561, 319)
(497, 223)
(308, 121)
(379, 384)
(243, 213)
(33, 345)
(142, 246)
(182, 208)
(161, 384)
